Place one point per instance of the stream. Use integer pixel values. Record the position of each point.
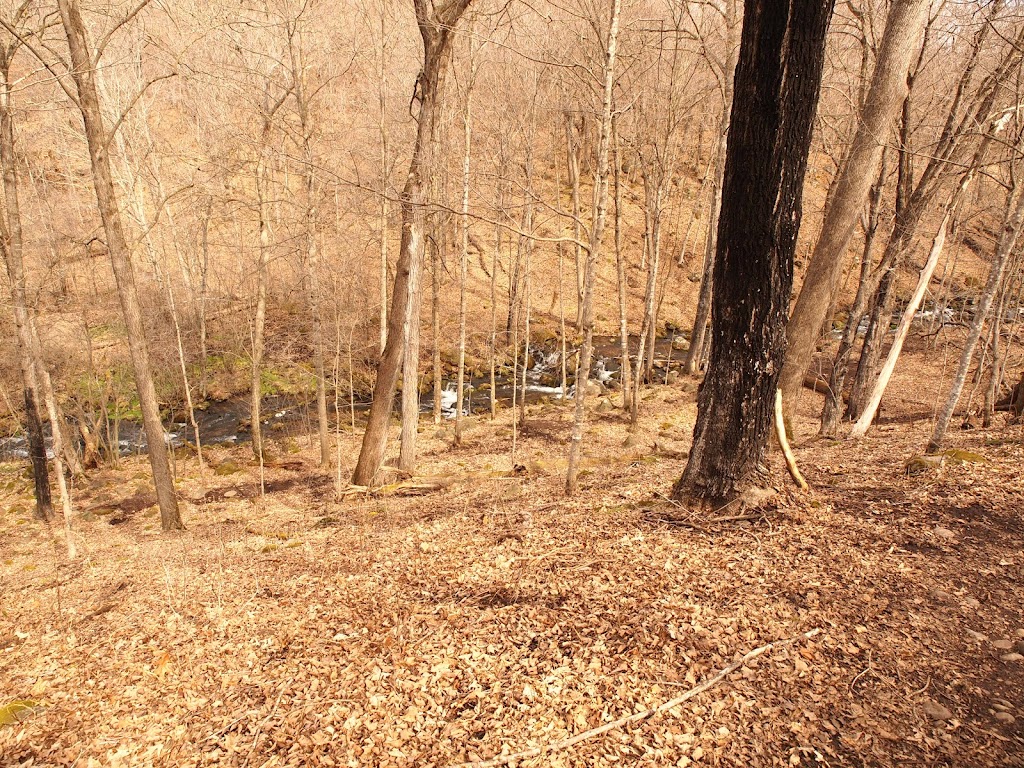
(226, 422)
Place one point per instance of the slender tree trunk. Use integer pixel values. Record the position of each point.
(694, 355)
(410, 372)
(499, 194)
(625, 374)
(11, 247)
(573, 157)
(594, 252)
(203, 294)
(1007, 240)
(311, 262)
(435, 316)
(83, 72)
(901, 42)
(436, 28)
(260, 315)
(834, 392)
(467, 144)
(875, 399)
(776, 92)
(382, 97)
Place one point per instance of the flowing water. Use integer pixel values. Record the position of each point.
(226, 422)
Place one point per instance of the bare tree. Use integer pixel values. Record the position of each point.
(777, 83)
(436, 26)
(84, 62)
(600, 208)
(901, 42)
(1008, 234)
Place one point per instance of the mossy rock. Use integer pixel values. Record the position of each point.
(605, 406)
(917, 465)
(959, 456)
(226, 468)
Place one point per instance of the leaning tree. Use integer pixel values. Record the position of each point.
(437, 25)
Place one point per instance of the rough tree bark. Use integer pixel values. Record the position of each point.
(83, 73)
(436, 26)
(776, 90)
(901, 42)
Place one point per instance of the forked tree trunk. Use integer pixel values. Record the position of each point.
(83, 72)
(436, 29)
(776, 92)
(901, 42)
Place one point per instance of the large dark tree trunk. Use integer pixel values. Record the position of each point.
(776, 92)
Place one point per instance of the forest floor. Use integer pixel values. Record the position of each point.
(494, 615)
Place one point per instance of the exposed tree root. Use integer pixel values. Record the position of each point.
(780, 432)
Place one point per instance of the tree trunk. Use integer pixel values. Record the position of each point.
(493, 351)
(776, 92)
(83, 72)
(573, 158)
(833, 392)
(901, 41)
(596, 233)
(11, 247)
(435, 317)
(875, 399)
(694, 355)
(260, 315)
(311, 263)
(467, 144)
(625, 375)
(411, 371)
(436, 29)
(1007, 240)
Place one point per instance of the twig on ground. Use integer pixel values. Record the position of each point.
(573, 740)
(259, 729)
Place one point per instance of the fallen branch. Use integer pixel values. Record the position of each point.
(403, 488)
(573, 740)
(780, 432)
